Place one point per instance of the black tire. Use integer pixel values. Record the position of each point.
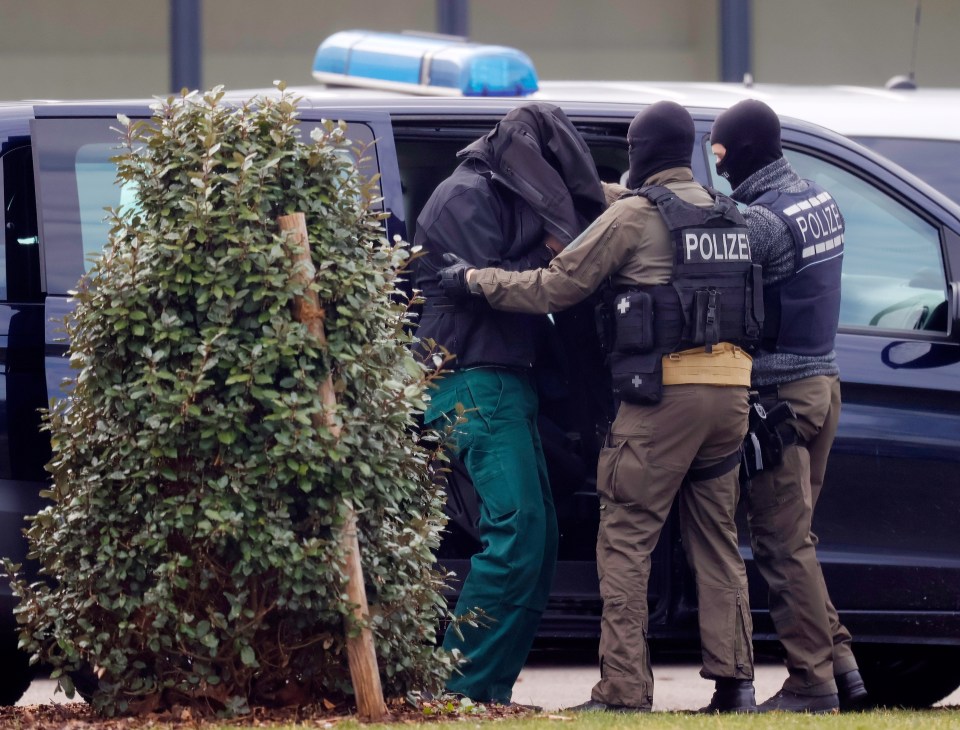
(909, 676)
(16, 674)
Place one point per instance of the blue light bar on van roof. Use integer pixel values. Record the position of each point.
(423, 64)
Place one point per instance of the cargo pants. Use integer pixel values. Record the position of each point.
(780, 506)
(641, 470)
(511, 576)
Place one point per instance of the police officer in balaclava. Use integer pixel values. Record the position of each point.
(796, 232)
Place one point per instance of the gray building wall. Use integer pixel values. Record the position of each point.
(114, 48)
(855, 41)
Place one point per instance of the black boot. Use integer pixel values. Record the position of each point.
(852, 693)
(787, 701)
(732, 695)
(593, 705)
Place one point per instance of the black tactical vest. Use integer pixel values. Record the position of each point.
(716, 294)
(803, 311)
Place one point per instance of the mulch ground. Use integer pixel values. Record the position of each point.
(80, 716)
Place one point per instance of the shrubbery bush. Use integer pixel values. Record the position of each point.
(191, 540)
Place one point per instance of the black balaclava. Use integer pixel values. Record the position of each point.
(750, 131)
(660, 137)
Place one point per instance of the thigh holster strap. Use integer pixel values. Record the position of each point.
(716, 470)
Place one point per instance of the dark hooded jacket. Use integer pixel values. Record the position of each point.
(531, 175)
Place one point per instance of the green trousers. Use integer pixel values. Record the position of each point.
(511, 576)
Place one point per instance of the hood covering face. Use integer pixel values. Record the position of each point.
(537, 152)
(660, 137)
(750, 132)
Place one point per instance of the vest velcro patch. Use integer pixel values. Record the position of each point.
(710, 245)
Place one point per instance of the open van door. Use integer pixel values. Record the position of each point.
(24, 448)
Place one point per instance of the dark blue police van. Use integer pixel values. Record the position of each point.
(888, 518)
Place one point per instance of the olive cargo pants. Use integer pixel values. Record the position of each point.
(641, 469)
(780, 506)
(510, 578)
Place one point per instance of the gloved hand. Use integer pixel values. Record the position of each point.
(453, 277)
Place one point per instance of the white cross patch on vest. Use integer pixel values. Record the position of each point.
(623, 305)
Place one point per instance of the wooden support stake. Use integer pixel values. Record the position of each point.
(361, 654)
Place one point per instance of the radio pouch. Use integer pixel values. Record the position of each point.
(636, 377)
(706, 318)
(633, 314)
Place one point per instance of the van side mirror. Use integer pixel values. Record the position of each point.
(915, 355)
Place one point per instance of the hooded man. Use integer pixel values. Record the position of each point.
(796, 230)
(681, 375)
(528, 185)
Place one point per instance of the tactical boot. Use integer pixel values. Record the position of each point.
(787, 701)
(732, 695)
(853, 695)
(592, 705)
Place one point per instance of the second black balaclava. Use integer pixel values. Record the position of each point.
(750, 131)
(660, 137)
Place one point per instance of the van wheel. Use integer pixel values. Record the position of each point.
(909, 676)
(16, 674)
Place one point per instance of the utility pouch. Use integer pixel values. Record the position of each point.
(603, 320)
(637, 377)
(706, 318)
(764, 443)
(633, 315)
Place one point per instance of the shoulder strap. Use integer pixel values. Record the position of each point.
(655, 193)
(767, 198)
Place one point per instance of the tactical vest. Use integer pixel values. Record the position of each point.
(715, 295)
(802, 312)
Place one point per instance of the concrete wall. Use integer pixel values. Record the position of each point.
(670, 40)
(855, 41)
(112, 48)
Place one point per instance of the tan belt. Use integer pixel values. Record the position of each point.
(726, 365)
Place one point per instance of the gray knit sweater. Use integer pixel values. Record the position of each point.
(772, 248)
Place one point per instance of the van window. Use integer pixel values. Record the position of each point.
(427, 156)
(936, 162)
(78, 182)
(893, 272)
(97, 190)
(20, 260)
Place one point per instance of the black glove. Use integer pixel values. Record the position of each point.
(453, 277)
